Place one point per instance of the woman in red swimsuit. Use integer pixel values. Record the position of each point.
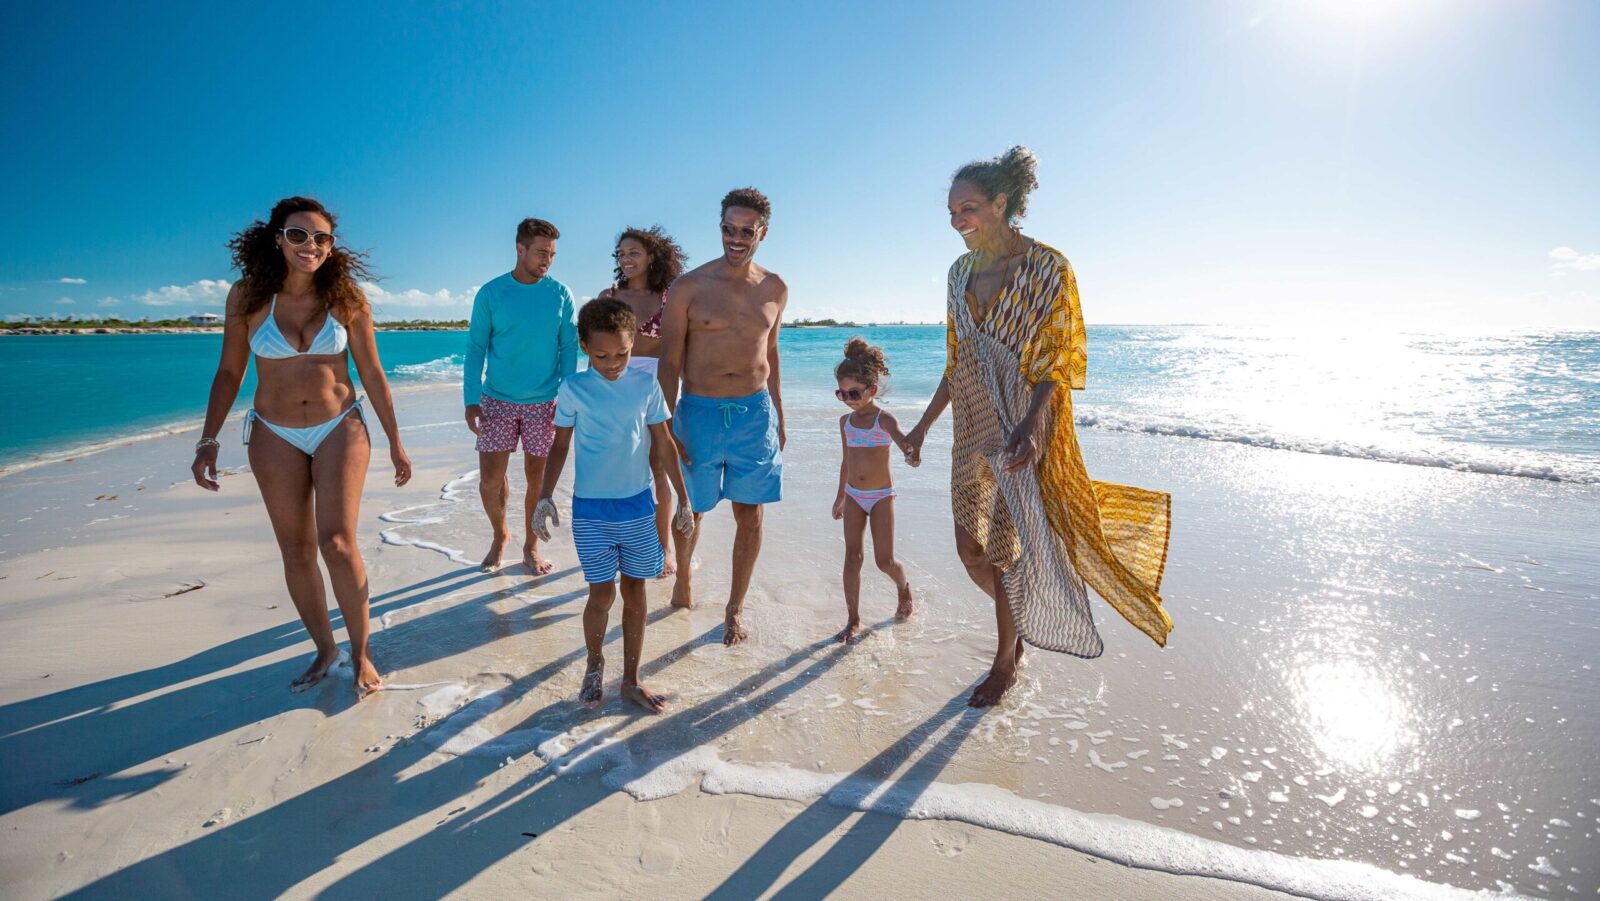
(648, 262)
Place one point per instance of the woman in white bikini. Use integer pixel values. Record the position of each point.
(299, 309)
(648, 262)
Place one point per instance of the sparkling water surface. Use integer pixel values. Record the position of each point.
(1518, 404)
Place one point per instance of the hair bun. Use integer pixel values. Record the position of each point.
(1021, 168)
(862, 357)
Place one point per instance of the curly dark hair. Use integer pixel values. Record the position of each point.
(750, 199)
(863, 363)
(605, 314)
(262, 269)
(666, 257)
(1013, 173)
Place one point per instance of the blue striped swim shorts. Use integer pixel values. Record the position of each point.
(617, 533)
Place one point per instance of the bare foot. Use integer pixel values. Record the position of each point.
(593, 689)
(682, 597)
(319, 667)
(535, 561)
(497, 550)
(644, 697)
(1018, 654)
(851, 631)
(993, 688)
(904, 611)
(733, 630)
(368, 682)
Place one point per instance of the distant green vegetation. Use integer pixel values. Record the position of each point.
(35, 322)
(820, 323)
(32, 323)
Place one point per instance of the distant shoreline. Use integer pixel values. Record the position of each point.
(195, 330)
(381, 326)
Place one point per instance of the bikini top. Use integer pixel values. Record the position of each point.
(652, 327)
(874, 436)
(269, 343)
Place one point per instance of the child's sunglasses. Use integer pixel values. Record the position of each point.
(853, 394)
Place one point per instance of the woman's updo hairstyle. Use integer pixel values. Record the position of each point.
(1013, 173)
(862, 363)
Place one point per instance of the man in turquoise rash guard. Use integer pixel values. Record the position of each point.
(523, 328)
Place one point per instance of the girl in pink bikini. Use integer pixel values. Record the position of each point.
(866, 490)
(648, 262)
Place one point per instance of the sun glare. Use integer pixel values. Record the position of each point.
(1360, 15)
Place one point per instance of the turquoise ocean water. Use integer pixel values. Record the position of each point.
(1516, 404)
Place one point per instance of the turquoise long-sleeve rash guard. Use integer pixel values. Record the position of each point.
(527, 335)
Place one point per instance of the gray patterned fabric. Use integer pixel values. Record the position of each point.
(1049, 600)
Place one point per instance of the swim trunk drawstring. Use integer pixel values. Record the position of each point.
(728, 408)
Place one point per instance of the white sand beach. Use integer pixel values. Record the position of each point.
(1380, 685)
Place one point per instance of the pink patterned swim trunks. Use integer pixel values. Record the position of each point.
(503, 423)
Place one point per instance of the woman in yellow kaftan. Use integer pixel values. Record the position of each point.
(1031, 526)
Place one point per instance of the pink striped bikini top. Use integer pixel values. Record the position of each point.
(868, 437)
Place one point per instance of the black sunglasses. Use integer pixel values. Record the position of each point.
(738, 231)
(852, 394)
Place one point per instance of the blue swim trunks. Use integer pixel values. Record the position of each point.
(732, 443)
(617, 533)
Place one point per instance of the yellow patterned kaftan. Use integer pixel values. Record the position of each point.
(1050, 528)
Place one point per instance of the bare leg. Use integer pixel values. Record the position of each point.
(533, 467)
(683, 547)
(596, 614)
(664, 518)
(494, 488)
(855, 526)
(633, 621)
(338, 471)
(883, 554)
(746, 548)
(283, 474)
(1003, 674)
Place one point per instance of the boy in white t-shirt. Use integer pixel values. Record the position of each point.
(618, 417)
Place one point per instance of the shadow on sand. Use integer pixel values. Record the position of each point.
(50, 744)
(273, 851)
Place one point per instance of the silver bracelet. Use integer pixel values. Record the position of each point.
(206, 442)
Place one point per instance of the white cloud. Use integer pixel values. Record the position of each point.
(65, 301)
(110, 302)
(206, 292)
(1567, 258)
(72, 281)
(379, 296)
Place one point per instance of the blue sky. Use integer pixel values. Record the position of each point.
(1421, 163)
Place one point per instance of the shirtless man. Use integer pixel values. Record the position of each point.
(720, 334)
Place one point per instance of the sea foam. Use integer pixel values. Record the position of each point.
(598, 752)
(1528, 464)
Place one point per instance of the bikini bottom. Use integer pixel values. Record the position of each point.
(868, 498)
(307, 439)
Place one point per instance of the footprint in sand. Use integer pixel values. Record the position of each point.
(948, 840)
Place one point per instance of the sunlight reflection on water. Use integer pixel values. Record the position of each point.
(1354, 715)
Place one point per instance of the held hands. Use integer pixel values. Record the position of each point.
(912, 447)
(544, 514)
(838, 507)
(474, 415)
(402, 465)
(1021, 450)
(205, 468)
(683, 520)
